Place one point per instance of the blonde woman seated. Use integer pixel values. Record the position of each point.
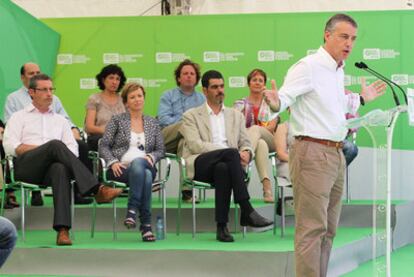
(131, 145)
(260, 127)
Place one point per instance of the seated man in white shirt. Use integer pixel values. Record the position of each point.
(216, 148)
(20, 98)
(46, 154)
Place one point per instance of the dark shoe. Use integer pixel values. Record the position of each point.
(254, 220)
(7, 206)
(187, 197)
(37, 199)
(79, 200)
(224, 235)
(63, 237)
(106, 194)
(11, 201)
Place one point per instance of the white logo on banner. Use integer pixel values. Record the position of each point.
(109, 58)
(71, 59)
(311, 51)
(350, 80)
(163, 57)
(376, 54)
(237, 82)
(401, 79)
(211, 57)
(88, 83)
(215, 56)
(266, 55)
(64, 59)
(136, 80)
(148, 83)
(168, 57)
(270, 56)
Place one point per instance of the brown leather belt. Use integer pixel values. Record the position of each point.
(330, 143)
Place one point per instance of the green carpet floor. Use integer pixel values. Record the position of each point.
(260, 242)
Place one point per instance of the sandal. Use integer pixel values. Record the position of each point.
(146, 232)
(129, 221)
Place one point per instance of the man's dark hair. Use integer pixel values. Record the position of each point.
(108, 70)
(22, 70)
(196, 67)
(211, 74)
(339, 17)
(38, 77)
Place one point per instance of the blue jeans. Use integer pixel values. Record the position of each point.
(8, 237)
(138, 176)
(350, 151)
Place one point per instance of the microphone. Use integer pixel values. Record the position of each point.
(391, 81)
(365, 67)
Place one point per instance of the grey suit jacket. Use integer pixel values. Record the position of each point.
(115, 141)
(196, 130)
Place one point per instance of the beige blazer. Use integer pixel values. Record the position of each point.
(196, 131)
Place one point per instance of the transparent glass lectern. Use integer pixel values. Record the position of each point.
(380, 126)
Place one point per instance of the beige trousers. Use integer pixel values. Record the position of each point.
(262, 142)
(171, 137)
(317, 173)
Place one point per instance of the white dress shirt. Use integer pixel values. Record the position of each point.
(218, 127)
(30, 126)
(314, 90)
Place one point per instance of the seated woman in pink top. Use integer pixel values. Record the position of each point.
(103, 105)
(261, 126)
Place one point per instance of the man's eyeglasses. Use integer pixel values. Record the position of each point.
(52, 90)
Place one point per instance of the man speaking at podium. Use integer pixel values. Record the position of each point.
(314, 91)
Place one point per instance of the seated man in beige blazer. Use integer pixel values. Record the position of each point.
(216, 148)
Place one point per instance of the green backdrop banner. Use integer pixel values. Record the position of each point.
(149, 48)
(23, 38)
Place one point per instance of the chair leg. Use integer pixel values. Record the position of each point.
(164, 209)
(236, 216)
(348, 193)
(93, 219)
(3, 199)
(114, 219)
(194, 213)
(23, 214)
(276, 198)
(178, 220)
(72, 213)
(282, 197)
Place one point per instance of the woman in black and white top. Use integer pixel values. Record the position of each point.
(131, 145)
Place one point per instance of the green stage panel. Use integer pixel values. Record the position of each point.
(23, 38)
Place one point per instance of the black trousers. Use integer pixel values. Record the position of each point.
(84, 154)
(93, 140)
(222, 168)
(54, 165)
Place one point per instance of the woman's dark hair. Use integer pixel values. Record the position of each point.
(108, 70)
